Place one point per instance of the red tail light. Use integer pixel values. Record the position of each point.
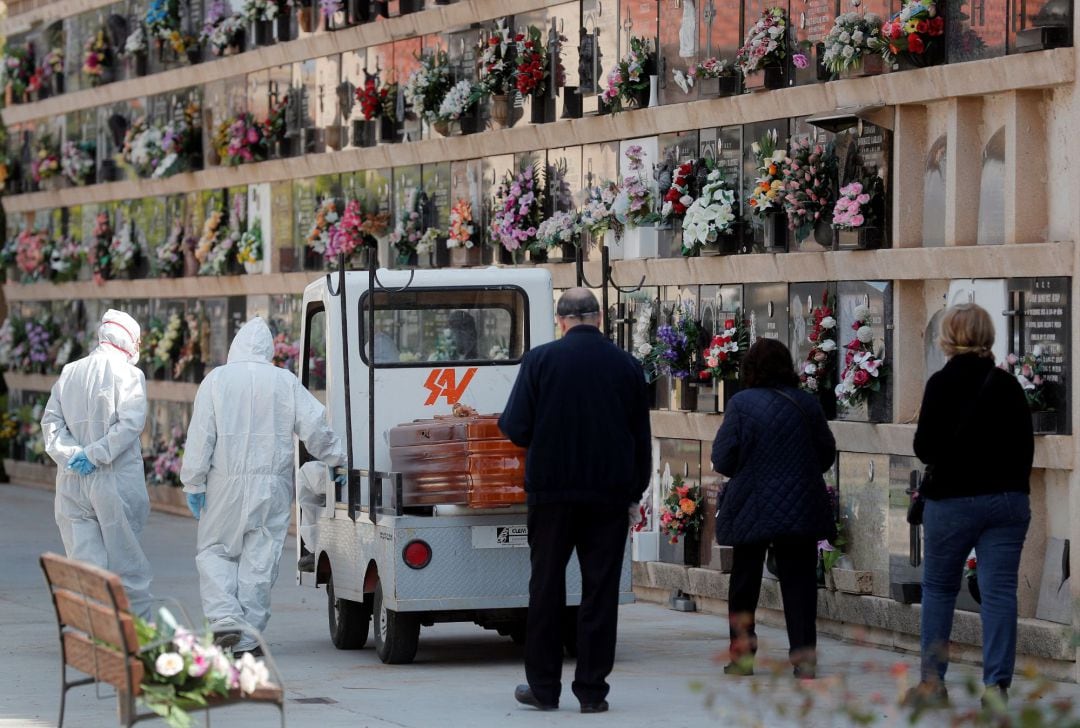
(416, 554)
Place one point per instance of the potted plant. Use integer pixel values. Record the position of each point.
(674, 353)
(864, 369)
(77, 162)
(461, 104)
(634, 207)
(240, 140)
(169, 256)
(249, 250)
(858, 217)
(263, 15)
(98, 252)
(516, 213)
(52, 70)
(681, 515)
(496, 71)
(355, 236)
(19, 72)
(223, 32)
(712, 77)
(915, 36)
(561, 231)
(767, 199)
(45, 166)
(817, 376)
(532, 75)
(460, 238)
(428, 85)
(275, 129)
(632, 80)
(808, 171)
(334, 15)
(135, 50)
(763, 55)
(97, 59)
(409, 228)
(375, 105)
(431, 250)
(1030, 372)
(710, 219)
(723, 355)
(853, 46)
(125, 255)
(598, 218)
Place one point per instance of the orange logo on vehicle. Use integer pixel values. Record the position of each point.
(444, 383)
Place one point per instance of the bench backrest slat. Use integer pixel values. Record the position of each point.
(80, 578)
(101, 662)
(97, 620)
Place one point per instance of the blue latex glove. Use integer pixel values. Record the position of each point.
(81, 464)
(196, 502)
(342, 480)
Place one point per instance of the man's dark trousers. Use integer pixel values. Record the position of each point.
(599, 533)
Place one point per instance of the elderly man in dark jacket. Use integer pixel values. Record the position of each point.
(579, 407)
(774, 444)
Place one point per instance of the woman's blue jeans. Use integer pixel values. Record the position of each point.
(995, 526)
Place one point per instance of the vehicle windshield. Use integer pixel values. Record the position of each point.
(421, 326)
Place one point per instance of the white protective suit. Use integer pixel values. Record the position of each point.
(98, 405)
(239, 452)
(311, 495)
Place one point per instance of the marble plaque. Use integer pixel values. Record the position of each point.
(564, 179)
(975, 29)
(678, 34)
(877, 295)
(904, 540)
(766, 311)
(683, 458)
(598, 40)
(754, 133)
(811, 20)
(1041, 318)
(436, 181)
(803, 298)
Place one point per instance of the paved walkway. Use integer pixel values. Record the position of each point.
(666, 671)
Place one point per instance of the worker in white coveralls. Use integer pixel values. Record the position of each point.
(238, 474)
(91, 427)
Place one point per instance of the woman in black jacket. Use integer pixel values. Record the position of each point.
(975, 433)
(774, 444)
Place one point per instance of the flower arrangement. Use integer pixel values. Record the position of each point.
(123, 250)
(53, 63)
(357, 231)
(914, 31)
(807, 172)
(65, 259)
(170, 254)
(376, 102)
(711, 214)
(682, 512)
(562, 228)
(641, 345)
(597, 214)
(461, 230)
(179, 142)
(222, 29)
(162, 22)
(516, 210)
(462, 97)
(142, 147)
(216, 260)
(274, 126)
(816, 374)
(531, 73)
(863, 370)
(711, 67)
(633, 205)
(191, 350)
(249, 251)
(496, 69)
(427, 242)
(428, 85)
(46, 162)
(768, 194)
(330, 7)
(679, 196)
(77, 161)
(208, 241)
(240, 140)
(409, 227)
(18, 69)
(326, 218)
(255, 11)
(285, 353)
(855, 206)
(628, 81)
(99, 251)
(675, 348)
(28, 346)
(167, 348)
(167, 459)
(97, 58)
(32, 254)
(135, 43)
(182, 669)
(721, 358)
(852, 37)
(765, 44)
(1029, 371)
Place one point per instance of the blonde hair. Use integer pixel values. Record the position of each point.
(967, 329)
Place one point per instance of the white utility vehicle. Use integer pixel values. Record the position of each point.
(441, 337)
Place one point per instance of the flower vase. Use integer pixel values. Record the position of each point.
(543, 109)
(691, 549)
(683, 395)
(1044, 423)
(389, 131)
(194, 54)
(730, 388)
(284, 27)
(441, 127)
(654, 91)
(253, 268)
(870, 64)
(441, 257)
(406, 7)
(139, 65)
(973, 588)
(57, 83)
(364, 133)
(264, 32)
(642, 241)
(359, 11)
(470, 123)
(538, 256)
(191, 263)
(615, 245)
(861, 238)
(461, 257)
(305, 18)
(334, 137)
(568, 253)
(765, 79)
(774, 232)
(408, 260)
(827, 398)
(500, 111)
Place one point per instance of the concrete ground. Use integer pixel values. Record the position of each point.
(666, 672)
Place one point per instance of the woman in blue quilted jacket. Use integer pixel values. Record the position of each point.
(773, 445)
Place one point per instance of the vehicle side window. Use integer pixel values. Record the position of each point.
(314, 363)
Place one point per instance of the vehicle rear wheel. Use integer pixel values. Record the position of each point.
(397, 634)
(569, 631)
(348, 620)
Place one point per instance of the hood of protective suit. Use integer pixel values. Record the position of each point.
(119, 331)
(253, 342)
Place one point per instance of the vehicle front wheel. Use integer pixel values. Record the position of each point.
(348, 620)
(397, 634)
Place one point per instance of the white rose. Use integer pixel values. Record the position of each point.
(810, 369)
(865, 334)
(828, 322)
(168, 664)
(253, 673)
(862, 313)
(828, 345)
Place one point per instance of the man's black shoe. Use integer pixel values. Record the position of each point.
(524, 695)
(306, 563)
(254, 652)
(600, 707)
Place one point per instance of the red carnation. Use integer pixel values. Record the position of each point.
(729, 323)
(915, 44)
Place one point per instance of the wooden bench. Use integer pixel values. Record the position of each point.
(97, 637)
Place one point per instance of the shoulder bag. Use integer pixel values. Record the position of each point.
(918, 501)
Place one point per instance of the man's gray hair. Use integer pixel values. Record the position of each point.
(577, 303)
